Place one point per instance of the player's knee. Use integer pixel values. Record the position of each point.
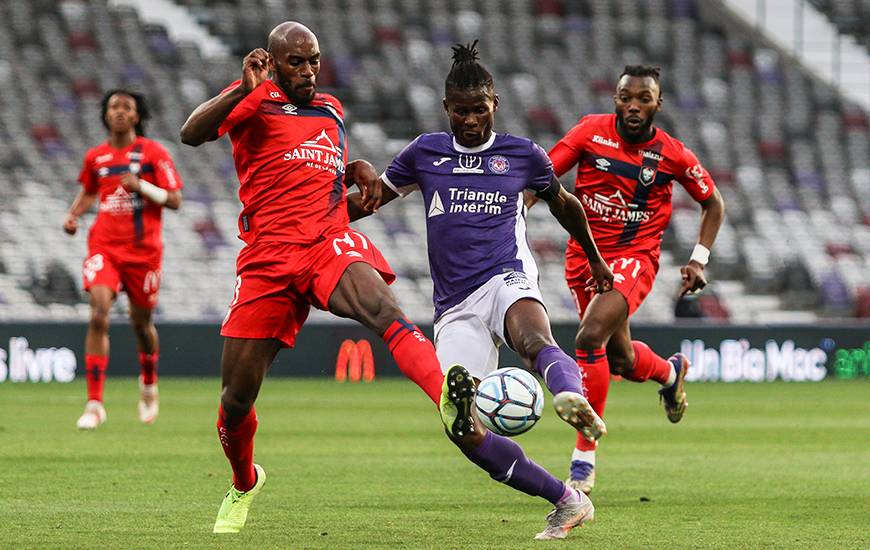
(528, 346)
(591, 336)
(99, 320)
(142, 327)
(235, 404)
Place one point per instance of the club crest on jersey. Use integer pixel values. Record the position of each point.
(469, 164)
(499, 164)
(289, 108)
(647, 175)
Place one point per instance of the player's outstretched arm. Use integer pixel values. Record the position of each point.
(357, 207)
(203, 123)
(373, 192)
(566, 208)
(81, 204)
(712, 214)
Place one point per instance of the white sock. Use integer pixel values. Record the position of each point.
(585, 456)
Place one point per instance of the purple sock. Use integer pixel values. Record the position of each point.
(506, 463)
(560, 372)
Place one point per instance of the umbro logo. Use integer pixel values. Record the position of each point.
(440, 161)
(289, 108)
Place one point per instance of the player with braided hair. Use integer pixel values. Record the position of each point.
(485, 279)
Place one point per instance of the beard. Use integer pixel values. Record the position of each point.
(292, 94)
(642, 131)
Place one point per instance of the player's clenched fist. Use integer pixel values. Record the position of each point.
(255, 69)
(71, 224)
(362, 174)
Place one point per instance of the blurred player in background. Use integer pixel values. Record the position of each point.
(289, 147)
(624, 181)
(133, 178)
(486, 292)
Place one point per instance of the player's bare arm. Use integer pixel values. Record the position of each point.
(203, 123)
(155, 194)
(81, 204)
(566, 208)
(356, 205)
(712, 214)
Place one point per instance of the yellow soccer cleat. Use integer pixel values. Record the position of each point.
(234, 509)
(457, 401)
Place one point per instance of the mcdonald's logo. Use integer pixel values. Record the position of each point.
(355, 362)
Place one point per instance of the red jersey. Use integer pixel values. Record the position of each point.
(625, 188)
(125, 221)
(290, 163)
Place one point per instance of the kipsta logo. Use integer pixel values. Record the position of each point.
(499, 164)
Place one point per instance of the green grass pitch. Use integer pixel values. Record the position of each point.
(367, 466)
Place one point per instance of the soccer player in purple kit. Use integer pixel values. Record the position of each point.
(485, 278)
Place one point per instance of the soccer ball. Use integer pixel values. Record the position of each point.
(509, 401)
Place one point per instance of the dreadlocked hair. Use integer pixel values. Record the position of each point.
(642, 71)
(467, 73)
(141, 108)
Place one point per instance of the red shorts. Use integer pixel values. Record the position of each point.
(633, 277)
(277, 283)
(138, 276)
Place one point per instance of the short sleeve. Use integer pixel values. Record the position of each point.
(401, 174)
(540, 170)
(242, 111)
(88, 176)
(165, 174)
(693, 176)
(566, 153)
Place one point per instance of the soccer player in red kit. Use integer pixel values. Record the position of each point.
(289, 147)
(133, 179)
(624, 181)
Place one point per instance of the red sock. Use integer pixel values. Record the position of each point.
(95, 374)
(648, 365)
(237, 439)
(596, 383)
(148, 367)
(415, 356)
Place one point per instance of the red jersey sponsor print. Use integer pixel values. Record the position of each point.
(290, 163)
(126, 222)
(626, 188)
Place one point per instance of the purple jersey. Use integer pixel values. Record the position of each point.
(474, 202)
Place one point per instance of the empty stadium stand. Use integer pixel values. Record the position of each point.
(791, 157)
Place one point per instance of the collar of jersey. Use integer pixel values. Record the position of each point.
(478, 149)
